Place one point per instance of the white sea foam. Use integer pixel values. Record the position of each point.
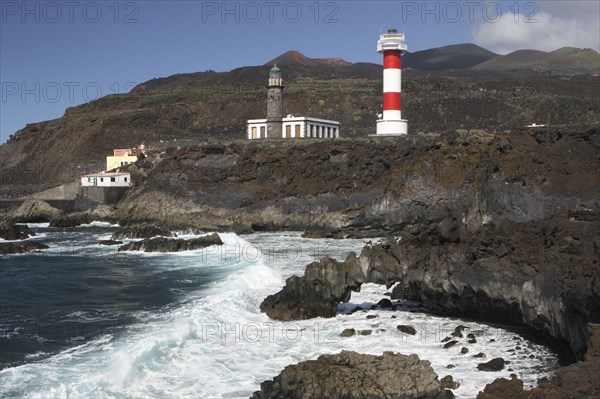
(97, 223)
(218, 344)
(44, 225)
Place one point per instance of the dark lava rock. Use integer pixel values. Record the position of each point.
(348, 332)
(350, 375)
(135, 232)
(385, 303)
(366, 332)
(480, 354)
(162, 244)
(7, 248)
(464, 350)
(110, 242)
(450, 344)
(71, 220)
(505, 389)
(458, 331)
(400, 291)
(449, 383)
(371, 316)
(318, 234)
(495, 364)
(12, 232)
(316, 294)
(547, 136)
(578, 380)
(503, 145)
(410, 330)
(240, 229)
(30, 246)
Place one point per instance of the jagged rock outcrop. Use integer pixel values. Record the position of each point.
(141, 231)
(162, 244)
(504, 388)
(110, 242)
(543, 274)
(92, 212)
(12, 232)
(317, 294)
(30, 246)
(350, 375)
(35, 211)
(71, 220)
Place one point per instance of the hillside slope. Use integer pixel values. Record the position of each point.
(198, 107)
(565, 61)
(459, 56)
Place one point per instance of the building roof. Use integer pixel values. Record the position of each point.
(107, 174)
(296, 119)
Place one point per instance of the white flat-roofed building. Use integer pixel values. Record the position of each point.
(296, 127)
(106, 179)
(292, 127)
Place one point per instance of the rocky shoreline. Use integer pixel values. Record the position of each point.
(544, 275)
(497, 227)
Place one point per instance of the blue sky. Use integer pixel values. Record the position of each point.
(58, 54)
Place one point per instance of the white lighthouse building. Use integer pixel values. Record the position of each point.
(392, 46)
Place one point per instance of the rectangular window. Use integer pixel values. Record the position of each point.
(125, 180)
(112, 179)
(254, 132)
(263, 132)
(288, 131)
(297, 130)
(102, 179)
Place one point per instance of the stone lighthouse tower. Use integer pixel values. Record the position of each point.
(275, 104)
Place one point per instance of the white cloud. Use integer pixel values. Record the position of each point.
(577, 26)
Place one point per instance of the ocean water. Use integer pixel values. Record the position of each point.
(81, 320)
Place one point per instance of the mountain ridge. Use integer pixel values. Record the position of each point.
(465, 56)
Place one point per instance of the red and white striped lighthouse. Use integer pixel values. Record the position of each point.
(392, 45)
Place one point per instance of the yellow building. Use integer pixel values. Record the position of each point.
(121, 157)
